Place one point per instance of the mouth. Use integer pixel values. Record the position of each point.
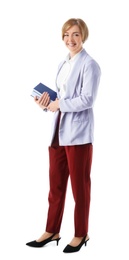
(71, 44)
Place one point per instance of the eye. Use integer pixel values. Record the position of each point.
(76, 34)
(66, 34)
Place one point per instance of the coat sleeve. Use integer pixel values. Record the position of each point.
(88, 90)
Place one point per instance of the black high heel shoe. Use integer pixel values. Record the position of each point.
(72, 249)
(44, 242)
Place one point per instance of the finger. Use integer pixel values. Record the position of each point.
(35, 98)
(44, 95)
(44, 99)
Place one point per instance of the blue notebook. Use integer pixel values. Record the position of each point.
(40, 88)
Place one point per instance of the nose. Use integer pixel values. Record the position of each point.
(70, 37)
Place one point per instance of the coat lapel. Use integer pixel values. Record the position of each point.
(73, 79)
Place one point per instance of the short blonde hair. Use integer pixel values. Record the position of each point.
(81, 24)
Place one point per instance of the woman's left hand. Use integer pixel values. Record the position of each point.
(53, 106)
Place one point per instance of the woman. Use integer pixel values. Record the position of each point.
(70, 152)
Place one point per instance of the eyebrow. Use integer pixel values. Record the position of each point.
(73, 32)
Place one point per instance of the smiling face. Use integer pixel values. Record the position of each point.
(73, 40)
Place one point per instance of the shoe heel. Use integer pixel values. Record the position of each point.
(86, 242)
(57, 240)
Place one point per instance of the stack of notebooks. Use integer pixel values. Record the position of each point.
(40, 88)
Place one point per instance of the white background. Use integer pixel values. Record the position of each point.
(30, 50)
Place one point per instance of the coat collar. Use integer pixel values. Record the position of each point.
(75, 73)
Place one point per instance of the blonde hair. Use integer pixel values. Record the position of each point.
(81, 24)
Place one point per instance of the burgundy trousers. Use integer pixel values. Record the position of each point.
(74, 162)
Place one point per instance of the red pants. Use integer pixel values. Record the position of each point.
(74, 161)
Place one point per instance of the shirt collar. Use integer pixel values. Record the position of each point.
(67, 59)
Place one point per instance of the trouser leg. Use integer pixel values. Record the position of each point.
(58, 177)
(79, 161)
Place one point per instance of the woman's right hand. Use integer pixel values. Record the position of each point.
(43, 101)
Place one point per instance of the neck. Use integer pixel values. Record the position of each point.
(72, 54)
